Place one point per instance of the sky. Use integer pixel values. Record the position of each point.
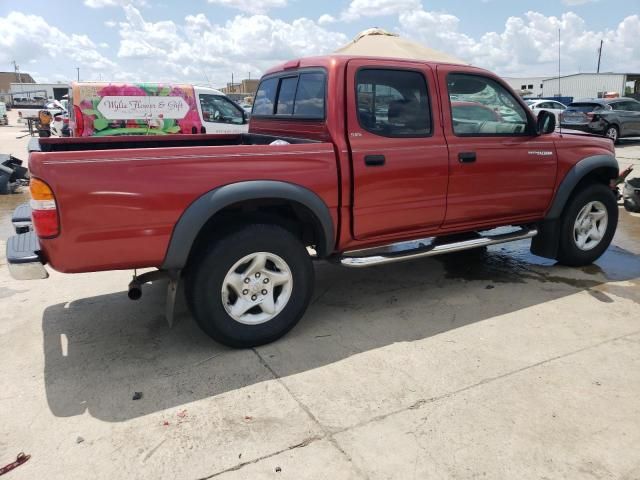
(206, 41)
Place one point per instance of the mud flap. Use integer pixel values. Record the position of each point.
(545, 243)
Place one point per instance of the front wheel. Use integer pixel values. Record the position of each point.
(250, 287)
(588, 225)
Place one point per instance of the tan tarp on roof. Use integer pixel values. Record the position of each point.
(376, 42)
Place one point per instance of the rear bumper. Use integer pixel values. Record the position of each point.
(23, 257)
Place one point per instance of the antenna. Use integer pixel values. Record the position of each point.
(559, 90)
(599, 55)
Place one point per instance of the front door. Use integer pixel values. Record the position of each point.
(398, 150)
(500, 171)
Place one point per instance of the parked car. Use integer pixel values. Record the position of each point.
(551, 106)
(4, 120)
(106, 109)
(614, 118)
(54, 107)
(383, 172)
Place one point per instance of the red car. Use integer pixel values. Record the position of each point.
(360, 161)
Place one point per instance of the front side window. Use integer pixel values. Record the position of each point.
(509, 117)
(393, 103)
(218, 109)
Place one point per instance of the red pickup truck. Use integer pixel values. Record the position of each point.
(361, 161)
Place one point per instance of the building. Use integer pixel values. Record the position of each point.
(7, 78)
(526, 86)
(593, 85)
(246, 87)
(36, 91)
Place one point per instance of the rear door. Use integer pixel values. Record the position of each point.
(499, 170)
(399, 154)
(628, 116)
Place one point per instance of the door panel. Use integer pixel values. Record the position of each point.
(513, 174)
(399, 183)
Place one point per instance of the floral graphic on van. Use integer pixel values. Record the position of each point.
(135, 109)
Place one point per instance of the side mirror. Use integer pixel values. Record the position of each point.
(546, 123)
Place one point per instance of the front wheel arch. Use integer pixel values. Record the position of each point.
(597, 169)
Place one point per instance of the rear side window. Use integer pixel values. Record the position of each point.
(299, 96)
(393, 103)
(585, 107)
(265, 97)
(310, 96)
(286, 96)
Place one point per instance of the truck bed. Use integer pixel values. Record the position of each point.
(73, 144)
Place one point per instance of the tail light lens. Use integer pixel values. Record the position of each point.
(78, 122)
(44, 210)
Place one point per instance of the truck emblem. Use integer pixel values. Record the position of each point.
(542, 153)
(355, 134)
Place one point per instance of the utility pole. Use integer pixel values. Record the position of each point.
(599, 55)
(78, 71)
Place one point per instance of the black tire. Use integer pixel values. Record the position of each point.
(569, 253)
(208, 269)
(612, 132)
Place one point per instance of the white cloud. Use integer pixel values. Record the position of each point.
(114, 3)
(198, 49)
(110, 23)
(103, 45)
(378, 8)
(251, 6)
(528, 45)
(326, 19)
(21, 40)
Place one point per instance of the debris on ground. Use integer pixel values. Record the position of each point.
(137, 395)
(489, 287)
(20, 459)
(182, 413)
(278, 469)
(79, 439)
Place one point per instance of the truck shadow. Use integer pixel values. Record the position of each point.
(100, 350)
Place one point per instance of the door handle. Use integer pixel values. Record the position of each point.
(374, 160)
(467, 157)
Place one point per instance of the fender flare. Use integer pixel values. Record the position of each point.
(574, 176)
(545, 244)
(207, 205)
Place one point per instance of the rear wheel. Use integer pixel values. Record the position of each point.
(250, 287)
(588, 225)
(613, 133)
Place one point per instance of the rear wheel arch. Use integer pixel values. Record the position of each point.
(226, 208)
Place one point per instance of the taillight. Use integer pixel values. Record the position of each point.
(78, 121)
(44, 210)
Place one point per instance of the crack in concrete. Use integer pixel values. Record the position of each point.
(329, 435)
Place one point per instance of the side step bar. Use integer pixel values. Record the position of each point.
(427, 247)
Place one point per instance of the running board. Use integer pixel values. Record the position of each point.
(426, 247)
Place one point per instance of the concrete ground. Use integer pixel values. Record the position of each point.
(491, 364)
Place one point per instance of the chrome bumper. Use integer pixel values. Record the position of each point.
(23, 257)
